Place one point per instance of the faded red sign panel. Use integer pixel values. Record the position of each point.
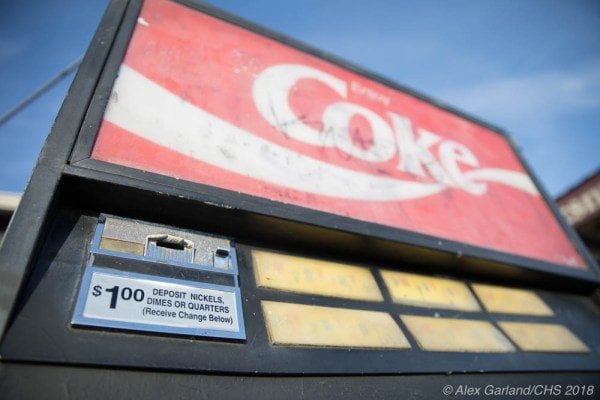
(206, 101)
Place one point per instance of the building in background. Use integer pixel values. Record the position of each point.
(8, 205)
(581, 206)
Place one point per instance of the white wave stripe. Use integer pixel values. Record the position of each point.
(148, 110)
(152, 112)
(514, 179)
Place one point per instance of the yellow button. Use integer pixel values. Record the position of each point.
(543, 337)
(302, 325)
(459, 335)
(304, 275)
(122, 246)
(503, 300)
(425, 291)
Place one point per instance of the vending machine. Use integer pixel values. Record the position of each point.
(221, 211)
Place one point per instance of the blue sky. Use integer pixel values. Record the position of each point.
(530, 67)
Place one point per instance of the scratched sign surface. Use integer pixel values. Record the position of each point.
(206, 101)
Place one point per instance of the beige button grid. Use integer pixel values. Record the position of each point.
(291, 324)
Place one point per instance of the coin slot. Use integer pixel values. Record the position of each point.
(170, 242)
(169, 248)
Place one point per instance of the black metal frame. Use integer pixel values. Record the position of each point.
(64, 171)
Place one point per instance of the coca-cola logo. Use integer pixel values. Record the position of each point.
(453, 165)
(160, 116)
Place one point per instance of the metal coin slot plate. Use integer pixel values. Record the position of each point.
(112, 295)
(161, 243)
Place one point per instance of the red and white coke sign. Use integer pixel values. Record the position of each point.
(206, 101)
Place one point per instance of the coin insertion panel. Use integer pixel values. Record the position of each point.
(308, 276)
(458, 335)
(537, 337)
(291, 324)
(503, 300)
(124, 285)
(430, 292)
